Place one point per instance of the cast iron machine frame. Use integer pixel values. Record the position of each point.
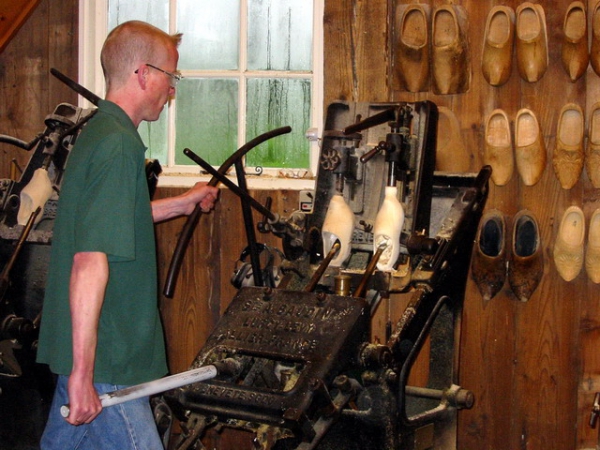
(312, 378)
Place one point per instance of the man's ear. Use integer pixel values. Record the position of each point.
(142, 75)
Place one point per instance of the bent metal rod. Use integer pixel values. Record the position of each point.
(228, 366)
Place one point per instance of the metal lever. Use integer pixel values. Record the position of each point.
(360, 290)
(227, 366)
(323, 266)
(230, 184)
(88, 95)
(377, 119)
(374, 151)
(263, 226)
(5, 275)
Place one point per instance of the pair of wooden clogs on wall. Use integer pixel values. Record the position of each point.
(570, 251)
(431, 50)
(498, 256)
(526, 32)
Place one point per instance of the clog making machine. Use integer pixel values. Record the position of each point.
(304, 371)
(309, 376)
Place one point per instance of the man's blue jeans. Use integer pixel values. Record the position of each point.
(127, 426)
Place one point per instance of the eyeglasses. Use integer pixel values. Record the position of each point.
(173, 77)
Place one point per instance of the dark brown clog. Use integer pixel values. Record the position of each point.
(488, 266)
(526, 260)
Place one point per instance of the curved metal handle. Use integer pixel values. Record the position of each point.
(194, 217)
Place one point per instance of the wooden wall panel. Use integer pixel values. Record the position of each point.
(13, 13)
(28, 92)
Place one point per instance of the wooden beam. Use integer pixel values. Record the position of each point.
(13, 13)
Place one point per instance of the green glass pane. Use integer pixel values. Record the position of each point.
(154, 135)
(155, 12)
(274, 103)
(207, 113)
(280, 34)
(210, 34)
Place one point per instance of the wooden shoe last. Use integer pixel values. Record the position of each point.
(496, 63)
(568, 247)
(498, 147)
(530, 150)
(574, 53)
(412, 48)
(531, 41)
(451, 70)
(526, 259)
(567, 159)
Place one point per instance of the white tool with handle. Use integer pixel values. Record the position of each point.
(227, 366)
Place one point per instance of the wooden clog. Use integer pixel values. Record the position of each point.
(451, 67)
(411, 52)
(574, 53)
(498, 147)
(531, 41)
(498, 43)
(530, 149)
(568, 156)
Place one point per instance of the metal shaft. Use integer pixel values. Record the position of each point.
(322, 267)
(161, 385)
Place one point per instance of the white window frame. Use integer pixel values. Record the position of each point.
(93, 29)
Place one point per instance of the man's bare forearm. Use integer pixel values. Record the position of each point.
(183, 205)
(89, 276)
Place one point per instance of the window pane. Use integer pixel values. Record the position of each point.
(155, 12)
(206, 119)
(210, 34)
(154, 135)
(274, 103)
(280, 34)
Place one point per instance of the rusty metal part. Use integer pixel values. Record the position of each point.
(312, 284)
(342, 284)
(312, 335)
(360, 290)
(5, 274)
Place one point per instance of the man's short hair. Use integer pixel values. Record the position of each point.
(130, 44)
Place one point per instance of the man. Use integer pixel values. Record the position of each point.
(101, 328)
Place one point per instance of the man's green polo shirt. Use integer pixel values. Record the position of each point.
(104, 206)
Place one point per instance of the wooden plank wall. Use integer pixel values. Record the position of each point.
(13, 13)
(533, 366)
(28, 92)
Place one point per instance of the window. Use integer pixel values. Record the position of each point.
(249, 66)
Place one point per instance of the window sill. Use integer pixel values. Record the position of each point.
(262, 182)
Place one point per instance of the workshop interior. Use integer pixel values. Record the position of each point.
(438, 287)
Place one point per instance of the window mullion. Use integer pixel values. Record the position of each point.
(243, 66)
(317, 107)
(171, 130)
